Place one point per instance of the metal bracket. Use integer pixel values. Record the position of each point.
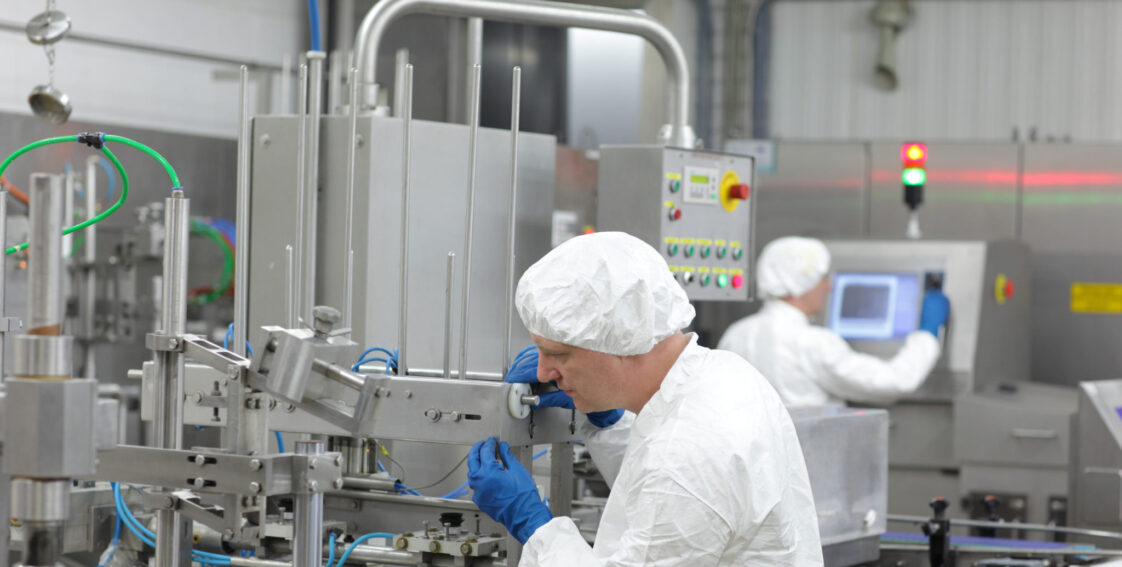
(10, 324)
(205, 352)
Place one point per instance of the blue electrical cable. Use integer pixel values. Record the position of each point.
(147, 537)
(331, 547)
(114, 542)
(280, 441)
(347, 554)
(230, 336)
(313, 21)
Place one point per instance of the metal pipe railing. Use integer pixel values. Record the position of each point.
(542, 13)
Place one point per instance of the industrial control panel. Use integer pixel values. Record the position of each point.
(694, 206)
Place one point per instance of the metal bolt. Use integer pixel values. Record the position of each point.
(200, 460)
(402, 543)
(255, 488)
(465, 548)
(313, 486)
(338, 484)
(456, 417)
(198, 398)
(434, 546)
(433, 414)
(228, 534)
(382, 392)
(338, 461)
(266, 140)
(312, 463)
(408, 394)
(360, 140)
(254, 464)
(173, 343)
(232, 372)
(272, 404)
(324, 318)
(199, 482)
(289, 408)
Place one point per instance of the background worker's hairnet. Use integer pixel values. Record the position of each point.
(608, 291)
(791, 266)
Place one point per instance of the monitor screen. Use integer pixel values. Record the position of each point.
(874, 306)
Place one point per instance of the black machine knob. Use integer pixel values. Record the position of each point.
(452, 519)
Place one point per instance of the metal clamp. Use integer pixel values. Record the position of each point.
(9, 324)
(160, 342)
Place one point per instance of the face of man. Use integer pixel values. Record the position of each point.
(817, 296)
(594, 380)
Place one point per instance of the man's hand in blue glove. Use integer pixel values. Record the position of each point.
(936, 308)
(505, 490)
(559, 399)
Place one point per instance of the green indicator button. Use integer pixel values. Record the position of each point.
(689, 250)
(672, 249)
(704, 251)
(721, 251)
(675, 185)
(737, 253)
(704, 279)
(722, 280)
(913, 176)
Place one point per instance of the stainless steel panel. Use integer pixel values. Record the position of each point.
(910, 490)
(921, 435)
(1072, 206)
(1026, 425)
(971, 191)
(1095, 474)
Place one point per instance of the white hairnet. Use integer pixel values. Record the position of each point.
(791, 266)
(608, 291)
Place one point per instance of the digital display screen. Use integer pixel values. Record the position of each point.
(874, 306)
(699, 179)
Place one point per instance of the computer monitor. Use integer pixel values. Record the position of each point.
(874, 306)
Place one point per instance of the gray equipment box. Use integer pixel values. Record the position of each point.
(1095, 473)
(988, 283)
(695, 206)
(846, 454)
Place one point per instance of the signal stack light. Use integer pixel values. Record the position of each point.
(914, 176)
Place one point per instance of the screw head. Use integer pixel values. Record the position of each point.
(173, 343)
(402, 543)
(434, 546)
(255, 488)
(200, 460)
(199, 482)
(465, 548)
(198, 398)
(433, 414)
(254, 464)
(338, 484)
(338, 461)
(313, 486)
(266, 140)
(228, 534)
(324, 318)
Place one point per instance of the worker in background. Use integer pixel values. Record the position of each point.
(813, 366)
(704, 464)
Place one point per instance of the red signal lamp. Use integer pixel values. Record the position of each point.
(914, 155)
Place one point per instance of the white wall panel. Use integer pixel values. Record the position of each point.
(972, 70)
(128, 87)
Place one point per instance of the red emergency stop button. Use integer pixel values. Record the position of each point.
(1010, 289)
(739, 191)
(737, 281)
(675, 214)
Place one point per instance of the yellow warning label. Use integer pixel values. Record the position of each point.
(1096, 297)
(734, 244)
(671, 240)
(704, 242)
(673, 175)
(687, 268)
(686, 241)
(719, 242)
(669, 204)
(673, 268)
(703, 270)
(719, 270)
(736, 272)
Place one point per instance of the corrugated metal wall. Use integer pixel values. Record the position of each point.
(972, 70)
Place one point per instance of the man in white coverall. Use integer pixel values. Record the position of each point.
(813, 366)
(704, 465)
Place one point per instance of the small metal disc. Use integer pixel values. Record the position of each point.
(48, 27)
(50, 104)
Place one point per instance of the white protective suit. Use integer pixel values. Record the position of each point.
(813, 366)
(710, 473)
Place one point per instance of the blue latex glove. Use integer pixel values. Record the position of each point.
(936, 308)
(504, 489)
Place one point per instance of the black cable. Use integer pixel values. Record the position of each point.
(445, 477)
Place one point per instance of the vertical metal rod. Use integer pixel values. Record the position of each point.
(89, 289)
(465, 296)
(352, 158)
(515, 115)
(170, 543)
(448, 273)
(68, 214)
(285, 89)
(290, 286)
(241, 226)
(311, 171)
(301, 180)
(473, 51)
(44, 278)
(307, 518)
(335, 81)
(5, 480)
(406, 163)
(401, 59)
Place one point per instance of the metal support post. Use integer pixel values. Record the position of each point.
(89, 256)
(406, 107)
(448, 274)
(311, 181)
(473, 136)
(352, 152)
(561, 478)
(307, 518)
(5, 480)
(173, 544)
(515, 113)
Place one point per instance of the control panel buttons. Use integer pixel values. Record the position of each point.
(687, 277)
(739, 191)
(675, 214)
(721, 252)
(737, 281)
(704, 280)
(722, 280)
(675, 185)
(671, 249)
(737, 253)
(688, 250)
